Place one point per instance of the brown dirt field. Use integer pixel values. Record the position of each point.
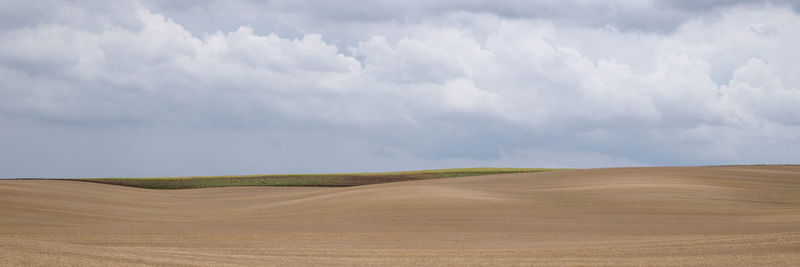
(626, 216)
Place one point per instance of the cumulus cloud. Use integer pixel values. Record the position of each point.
(444, 85)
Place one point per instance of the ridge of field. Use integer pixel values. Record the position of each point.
(319, 180)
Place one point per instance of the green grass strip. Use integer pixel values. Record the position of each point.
(318, 180)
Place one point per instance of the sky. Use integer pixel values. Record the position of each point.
(220, 87)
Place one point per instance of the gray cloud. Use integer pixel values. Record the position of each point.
(708, 5)
(141, 88)
(286, 17)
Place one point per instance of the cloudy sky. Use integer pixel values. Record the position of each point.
(167, 88)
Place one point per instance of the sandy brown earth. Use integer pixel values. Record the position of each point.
(628, 216)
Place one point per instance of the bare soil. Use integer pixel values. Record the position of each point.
(739, 215)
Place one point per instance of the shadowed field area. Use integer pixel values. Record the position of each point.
(743, 215)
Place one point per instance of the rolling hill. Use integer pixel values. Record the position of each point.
(615, 216)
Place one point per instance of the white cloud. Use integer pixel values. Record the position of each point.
(464, 86)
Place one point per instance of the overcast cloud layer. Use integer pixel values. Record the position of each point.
(162, 88)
